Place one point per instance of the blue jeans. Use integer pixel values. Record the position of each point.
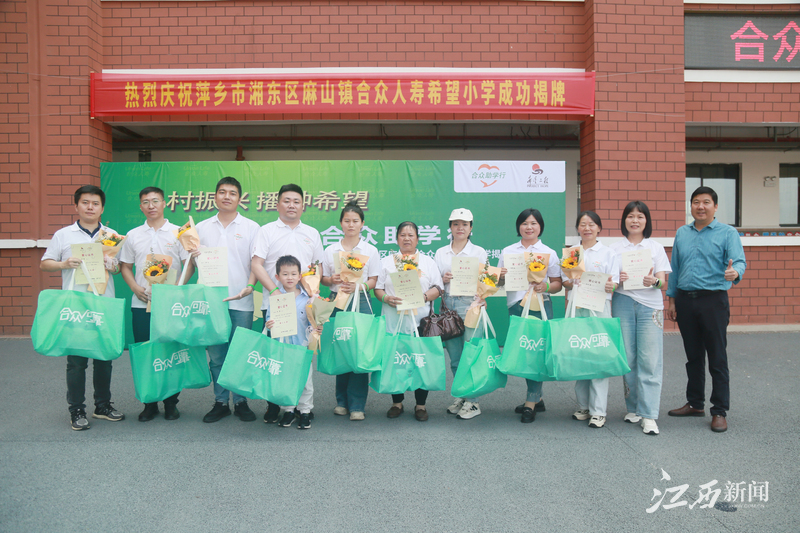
(351, 388)
(534, 387)
(216, 356)
(642, 332)
(455, 346)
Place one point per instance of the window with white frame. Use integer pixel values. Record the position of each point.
(789, 195)
(724, 179)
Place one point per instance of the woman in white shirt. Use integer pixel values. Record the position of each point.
(641, 314)
(530, 226)
(592, 394)
(461, 246)
(352, 388)
(407, 239)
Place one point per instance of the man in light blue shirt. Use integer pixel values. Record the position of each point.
(707, 258)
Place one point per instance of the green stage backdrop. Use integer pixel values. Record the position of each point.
(390, 192)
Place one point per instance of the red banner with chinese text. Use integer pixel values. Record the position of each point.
(518, 92)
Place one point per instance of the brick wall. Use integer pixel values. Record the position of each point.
(742, 102)
(634, 146)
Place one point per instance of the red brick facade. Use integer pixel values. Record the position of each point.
(634, 146)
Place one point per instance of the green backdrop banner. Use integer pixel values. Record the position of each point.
(389, 192)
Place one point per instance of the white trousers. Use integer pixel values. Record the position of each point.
(306, 403)
(592, 394)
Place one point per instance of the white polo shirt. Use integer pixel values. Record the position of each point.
(373, 266)
(430, 277)
(60, 249)
(240, 240)
(444, 258)
(599, 258)
(651, 297)
(553, 268)
(276, 239)
(143, 241)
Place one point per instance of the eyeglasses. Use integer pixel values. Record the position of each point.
(154, 203)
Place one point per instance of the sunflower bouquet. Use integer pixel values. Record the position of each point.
(352, 266)
(572, 262)
(487, 286)
(310, 278)
(187, 235)
(156, 270)
(536, 266)
(405, 262)
(112, 243)
(318, 311)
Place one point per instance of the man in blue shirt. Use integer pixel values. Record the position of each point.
(707, 257)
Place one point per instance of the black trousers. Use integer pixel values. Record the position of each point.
(140, 323)
(76, 382)
(703, 318)
(420, 395)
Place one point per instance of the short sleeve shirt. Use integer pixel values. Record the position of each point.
(600, 258)
(444, 257)
(553, 268)
(373, 267)
(651, 297)
(430, 277)
(144, 240)
(240, 240)
(277, 239)
(60, 249)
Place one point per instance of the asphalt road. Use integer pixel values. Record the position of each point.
(491, 473)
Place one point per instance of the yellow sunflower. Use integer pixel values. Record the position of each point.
(155, 270)
(355, 263)
(109, 242)
(409, 266)
(535, 266)
(489, 282)
(569, 262)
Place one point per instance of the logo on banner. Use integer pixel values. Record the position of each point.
(509, 176)
(178, 358)
(89, 317)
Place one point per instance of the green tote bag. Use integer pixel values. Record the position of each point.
(194, 315)
(410, 362)
(352, 342)
(525, 349)
(69, 322)
(260, 367)
(477, 372)
(163, 369)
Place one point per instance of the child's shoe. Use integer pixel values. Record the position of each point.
(287, 420)
(305, 421)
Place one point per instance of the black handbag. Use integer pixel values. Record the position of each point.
(447, 324)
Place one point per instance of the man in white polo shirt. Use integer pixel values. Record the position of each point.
(229, 229)
(153, 237)
(89, 204)
(286, 236)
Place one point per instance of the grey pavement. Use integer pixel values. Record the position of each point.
(491, 473)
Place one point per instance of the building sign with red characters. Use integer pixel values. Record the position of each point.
(277, 91)
(765, 42)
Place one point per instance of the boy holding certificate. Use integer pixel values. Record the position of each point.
(59, 257)
(287, 270)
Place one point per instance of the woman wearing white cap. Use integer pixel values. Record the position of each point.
(461, 246)
(530, 226)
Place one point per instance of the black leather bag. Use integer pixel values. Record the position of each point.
(447, 324)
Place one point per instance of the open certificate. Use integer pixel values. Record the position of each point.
(92, 255)
(407, 288)
(591, 294)
(212, 267)
(636, 265)
(283, 311)
(516, 275)
(465, 273)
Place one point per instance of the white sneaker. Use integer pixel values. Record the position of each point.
(456, 407)
(597, 421)
(649, 426)
(357, 415)
(339, 410)
(632, 418)
(469, 410)
(581, 414)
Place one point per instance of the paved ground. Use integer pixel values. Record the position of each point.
(488, 474)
